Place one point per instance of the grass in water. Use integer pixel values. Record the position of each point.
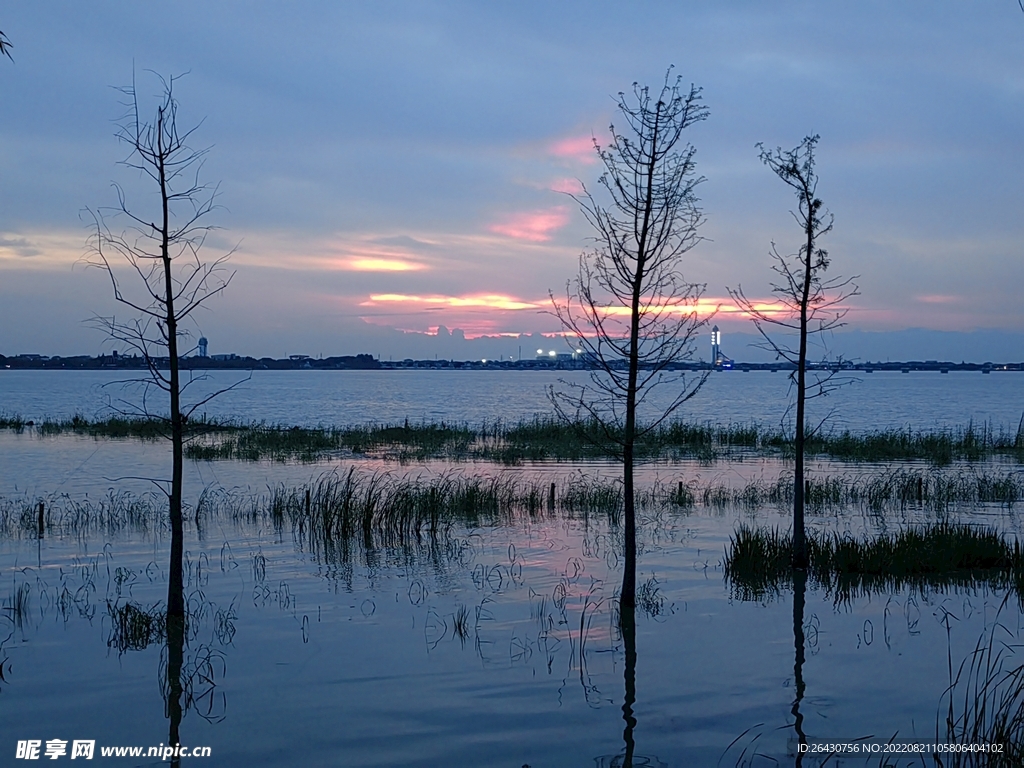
(134, 628)
(539, 439)
(757, 562)
(985, 702)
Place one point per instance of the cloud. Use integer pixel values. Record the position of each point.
(577, 148)
(534, 226)
(20, 246)
(356, 252)
(938, 298)
(41, 250)
(487, 301)
(568, 186)
(365, 264)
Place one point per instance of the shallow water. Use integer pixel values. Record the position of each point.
(299, 659)
(491, 646)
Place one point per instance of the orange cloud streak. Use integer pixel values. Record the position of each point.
(488, 301)
(370, 264)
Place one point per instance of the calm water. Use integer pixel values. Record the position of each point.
(493, 646)
(294, 659)
(876, 401)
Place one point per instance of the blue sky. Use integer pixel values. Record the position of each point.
(392, 167)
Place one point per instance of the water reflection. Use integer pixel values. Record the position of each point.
(518, 615)
(799, 596)
(627, 625)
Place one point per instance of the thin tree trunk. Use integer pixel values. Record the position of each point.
(799, 534)
(175, 579)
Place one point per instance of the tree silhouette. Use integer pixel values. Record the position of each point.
(160, 251)
(629, 311)
(810, 304)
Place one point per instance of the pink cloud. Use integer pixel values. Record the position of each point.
(579, 148)
(567, 186)
(937, 298)
(534, 226)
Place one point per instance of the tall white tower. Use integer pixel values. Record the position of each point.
(203, 343)
(716, 346)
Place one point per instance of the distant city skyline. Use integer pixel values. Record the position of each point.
(390, 170)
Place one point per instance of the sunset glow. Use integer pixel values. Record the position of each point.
(382, 265)
(533, 227)
(488, 301)
(577, 148)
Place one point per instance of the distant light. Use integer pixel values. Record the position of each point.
(540, 351)
(552, 353)
(484, 360)
(579, 351)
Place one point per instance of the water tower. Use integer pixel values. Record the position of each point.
(203, 343)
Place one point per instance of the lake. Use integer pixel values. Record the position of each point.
(307, 398)
(495, 642)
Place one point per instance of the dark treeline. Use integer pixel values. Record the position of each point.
(228, 362)
(369, 362)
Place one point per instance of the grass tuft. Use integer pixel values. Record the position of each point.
(758, 561)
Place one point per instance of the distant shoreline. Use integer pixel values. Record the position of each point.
(368, 362)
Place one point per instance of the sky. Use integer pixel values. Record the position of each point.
(392, 177)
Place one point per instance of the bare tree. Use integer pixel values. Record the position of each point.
(629, 310)
(159, 251)
(5, 46)
(810, 304)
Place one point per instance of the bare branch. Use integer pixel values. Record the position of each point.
(811, 304)
(629, 310)
(159, 250)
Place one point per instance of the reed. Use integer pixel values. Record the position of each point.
(542, 438)
(135, 628)
(985, 703)
(939, 556)
(18, 606)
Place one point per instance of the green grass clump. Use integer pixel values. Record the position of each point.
(758, 561)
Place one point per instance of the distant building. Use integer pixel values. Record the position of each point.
(203, 346)
(718, 358)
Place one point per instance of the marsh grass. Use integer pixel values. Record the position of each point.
(383, 510)
(902, 488)
(389, 507)
(134, 627)
(17, 607)
(649, 598)
(938, 557)
(985, 701)
(115, 514)
(540, 439)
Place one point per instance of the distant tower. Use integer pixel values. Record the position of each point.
(716, 346)
(203, 345)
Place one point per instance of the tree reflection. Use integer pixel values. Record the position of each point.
(799, 596)
(173, 693)
(627, 625)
